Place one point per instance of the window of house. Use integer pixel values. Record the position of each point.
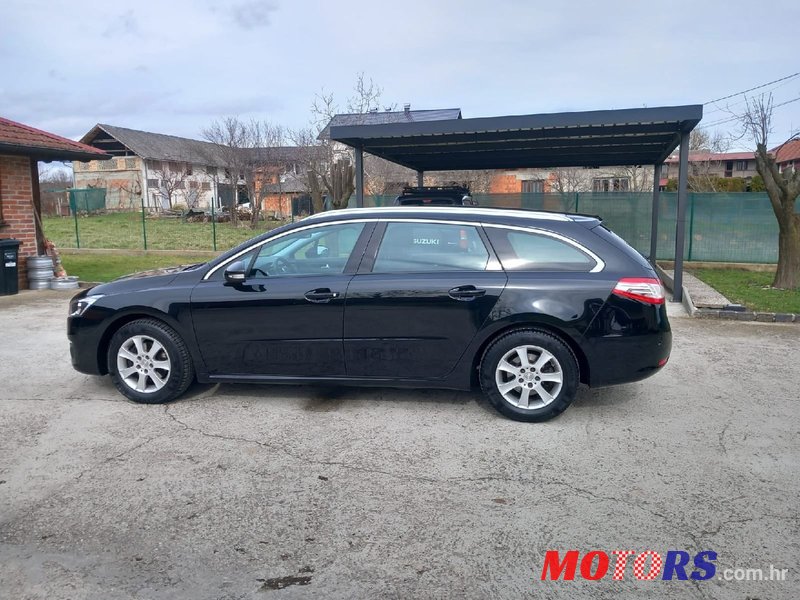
(426, 247)
(212, 171)
(533, 186)
(155, 165)
(611, 184)
(130, 163)
(205, 186)
(174, 167)
(193, 185)
(152, 183)
(729, 168)
(188, 170)
(523, 251)
(741, 165)
(179, 185)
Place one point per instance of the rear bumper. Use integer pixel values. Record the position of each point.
(628, 359)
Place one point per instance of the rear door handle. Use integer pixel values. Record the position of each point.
(321, 295)
(466, 292)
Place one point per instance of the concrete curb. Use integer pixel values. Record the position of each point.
(725, 313)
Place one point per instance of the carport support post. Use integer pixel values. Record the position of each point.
(680, 225)
(359, 177)
(654, 222)
(420, 178)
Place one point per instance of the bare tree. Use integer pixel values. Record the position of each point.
(703, 145)
(328, 165)
(568, 180)
(385, 177)
(366, 96)
(172, 178)
(229, 135)
(783, 188)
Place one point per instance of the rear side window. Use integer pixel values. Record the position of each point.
(425, 247)
(530, 251)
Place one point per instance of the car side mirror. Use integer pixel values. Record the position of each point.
(236, 272)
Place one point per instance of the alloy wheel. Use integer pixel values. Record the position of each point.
(143, 364)
(529, 377)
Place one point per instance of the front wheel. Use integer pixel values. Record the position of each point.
(149, 362)
(529, 375)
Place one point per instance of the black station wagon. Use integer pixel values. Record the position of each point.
(525, 305)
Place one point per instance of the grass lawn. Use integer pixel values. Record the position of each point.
(105, 267)
(124, 231)
(751, 289)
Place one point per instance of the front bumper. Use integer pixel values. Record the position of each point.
(84, 342)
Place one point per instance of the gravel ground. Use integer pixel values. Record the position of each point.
(292, 492)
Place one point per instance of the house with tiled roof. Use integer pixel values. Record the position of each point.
(787, 155)
(21, 149)
(716, 164)
(159, 170)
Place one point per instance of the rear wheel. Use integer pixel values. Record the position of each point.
(529, 375)
(149, 362)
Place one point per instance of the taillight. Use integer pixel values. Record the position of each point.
(643, 289)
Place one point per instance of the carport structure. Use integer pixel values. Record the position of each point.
(625, 137)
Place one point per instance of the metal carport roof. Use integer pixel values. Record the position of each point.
(637, 136)
(633, 136)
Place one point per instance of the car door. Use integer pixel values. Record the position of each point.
(423, 291)
(285, 318)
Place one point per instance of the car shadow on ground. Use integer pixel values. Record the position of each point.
(328, 398)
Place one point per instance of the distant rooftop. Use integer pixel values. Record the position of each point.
(389, 116)
(790, 151)
(19, 139)
(120, 141)
(713, 157)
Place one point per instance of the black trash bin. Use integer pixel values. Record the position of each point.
(9, 282)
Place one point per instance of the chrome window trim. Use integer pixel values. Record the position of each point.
(599, 263)
(466, 210)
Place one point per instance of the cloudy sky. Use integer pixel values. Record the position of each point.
(173, 66)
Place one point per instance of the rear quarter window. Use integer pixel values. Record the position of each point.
(533, 251)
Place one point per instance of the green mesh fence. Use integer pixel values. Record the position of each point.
(720, 227)
(87, 200)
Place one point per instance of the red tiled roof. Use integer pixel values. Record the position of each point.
(16, 138)
(714, 156)
(788, 152)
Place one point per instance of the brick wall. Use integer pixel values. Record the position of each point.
(16, 194)
(280, 204)
(505, 184)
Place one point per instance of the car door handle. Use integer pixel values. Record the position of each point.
(465, 292)
(321, 295)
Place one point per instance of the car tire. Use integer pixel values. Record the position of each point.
(149, 363)
(529, 375)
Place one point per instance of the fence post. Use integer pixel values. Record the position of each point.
(691, 225)
(577, 195)
(75, 215)
(213, 227)
(144, 227)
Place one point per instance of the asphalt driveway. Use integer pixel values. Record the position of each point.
(289, 492)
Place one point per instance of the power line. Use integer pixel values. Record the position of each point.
(758, 87)
(736, 118)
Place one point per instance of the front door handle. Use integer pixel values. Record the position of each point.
(466, 292)
(321, 295)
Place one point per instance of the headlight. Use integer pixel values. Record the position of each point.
(78, 307)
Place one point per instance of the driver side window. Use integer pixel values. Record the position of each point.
(317, 251)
